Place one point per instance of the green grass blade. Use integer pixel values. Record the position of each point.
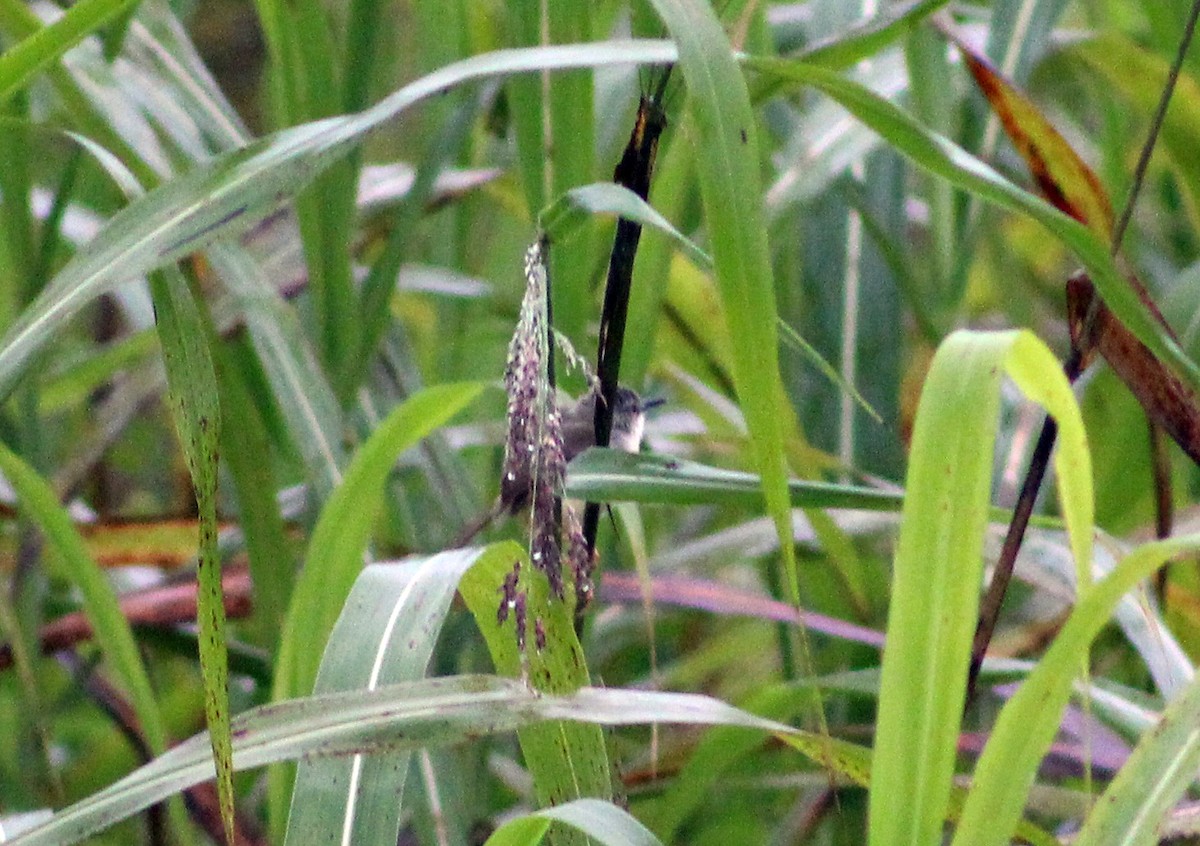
(871, 36)
(229, 195)
(302, 393)
(567, 760)
(602, 821)
(246, 452)
(614, 476)
(938, 566)
(385, 635)
(430, 712)
(945, 159)
(335, 553)
(1154, 778)
(112, 631)
(22, 60)
(195, 407)
(566, 215)
(731, 191)
(1029, 721)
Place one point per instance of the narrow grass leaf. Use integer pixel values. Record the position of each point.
(303, 394)
(614, 476)
(870, 37)
(233, 192)
(22, 60)
(1029, 721)
(111, 630)
(1063, 177)
(731, 190)
(400, 717)
(196, 410)
(939, 561)
(1154, 778)
(339, 540)
(564, 216)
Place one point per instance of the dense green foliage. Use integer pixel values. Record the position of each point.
(253, 323)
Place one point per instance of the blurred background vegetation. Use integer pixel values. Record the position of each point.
(400, 268)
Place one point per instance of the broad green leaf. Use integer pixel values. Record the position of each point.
(938, 566)
(567, 761)
(1029, 721)
(196, 410)
(385, 635)
(605, 475)
(394, 718)
(948, 161)
(339, 540)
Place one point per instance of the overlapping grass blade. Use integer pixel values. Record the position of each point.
(235, 191)
(602, 821)
(731, 191)
(615, 476)
(948, 161)
(385, 635)
(22, 60)
(335, 553)
(938, 567)
(394, 718)
(1028, 723)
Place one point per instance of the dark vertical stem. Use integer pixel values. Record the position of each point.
(1164, 508)
(989, 609)
(633, 171)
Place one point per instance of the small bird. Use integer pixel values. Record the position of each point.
(578, 434)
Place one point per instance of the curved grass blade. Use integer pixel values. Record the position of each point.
(22, 60)
(1153, 779)
(1062, 176)
(731, 192)
(394, 718)
(871, 36)
(301, 390)
(938, 566)
(564, 216)
(602, 821)
(948, 161)
(230, 194)
(1028, 723)
(111, 629)
(195, 407)
(335, 553)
